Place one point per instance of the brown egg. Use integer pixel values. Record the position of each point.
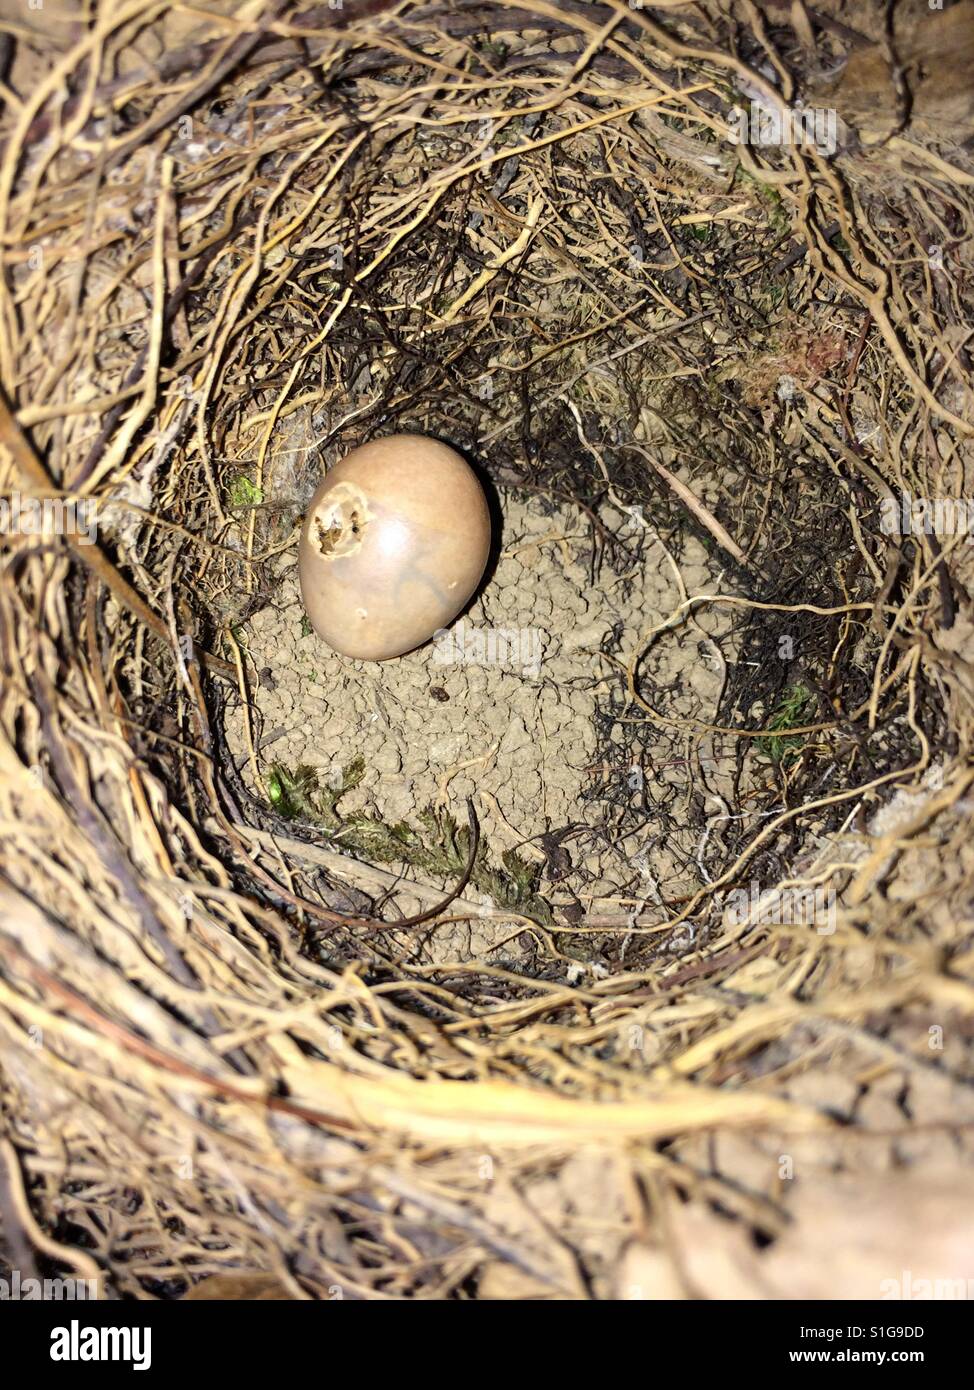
(393, 546)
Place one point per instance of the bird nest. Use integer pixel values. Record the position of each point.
(688, 284)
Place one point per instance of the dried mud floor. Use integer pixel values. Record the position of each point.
(505, 709)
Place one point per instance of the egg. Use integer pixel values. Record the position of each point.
(393, 546)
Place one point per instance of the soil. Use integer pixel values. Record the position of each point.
(508, 707)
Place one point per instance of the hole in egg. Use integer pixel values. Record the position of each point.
(339, 529)
(327, 538)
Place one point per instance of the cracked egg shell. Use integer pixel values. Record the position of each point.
(394, 544)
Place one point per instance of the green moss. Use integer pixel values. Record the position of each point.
(770, 198)
(438, 846)
(239, 635)
(510, 134)
(292, 794)
(775, 294)
(244, 492)
(797, 707)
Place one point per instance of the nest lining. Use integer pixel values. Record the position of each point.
(588, 289)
